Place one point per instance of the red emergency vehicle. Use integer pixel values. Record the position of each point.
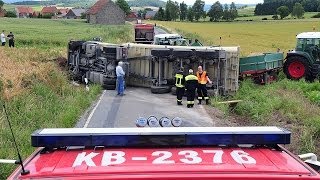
(224, 153)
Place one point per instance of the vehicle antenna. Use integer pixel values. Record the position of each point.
(24, 171)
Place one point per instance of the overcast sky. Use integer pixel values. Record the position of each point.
(189, 2)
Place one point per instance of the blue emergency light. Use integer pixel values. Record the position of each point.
(158, 137)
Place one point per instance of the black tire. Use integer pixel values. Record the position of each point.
(109, 87)
(161, 52)
(160, 89)
(109, 81)
(174, 91)
(298, 74)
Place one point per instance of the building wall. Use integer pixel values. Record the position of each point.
(111, 14)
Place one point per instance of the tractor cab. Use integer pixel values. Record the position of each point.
(304, 61)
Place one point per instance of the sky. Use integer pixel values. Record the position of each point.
(190, 2)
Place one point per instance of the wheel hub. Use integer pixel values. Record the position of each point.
(296, 69)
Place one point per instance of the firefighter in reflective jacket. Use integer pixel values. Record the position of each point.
(203, 79)
(191, 86)
(180, 81)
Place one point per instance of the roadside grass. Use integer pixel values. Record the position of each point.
(252, 37)
(36, 91)
(290, 104)
(47, 34)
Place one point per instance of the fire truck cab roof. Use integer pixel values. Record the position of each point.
(224, 153)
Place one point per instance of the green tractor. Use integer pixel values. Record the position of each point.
(304, 61)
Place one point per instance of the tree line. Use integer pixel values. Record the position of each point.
(174, 11)
(270, 7)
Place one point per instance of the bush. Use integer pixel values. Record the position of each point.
(11, 14)
(275, 17)
(264, 19)
(47, 16)
(316, 16)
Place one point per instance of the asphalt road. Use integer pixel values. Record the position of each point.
(116, 111)
(158, 30)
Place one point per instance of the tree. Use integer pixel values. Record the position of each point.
(183, 11)
(216, 11)
(172, 10)
(124, 6)
(283, 11)
(1, 4)
(10, 14)
(190, 14)
(318, 9)
(160, 15)
(226, 13)
(198, 9)
(233, 11)
(275, 17)
(297, 11)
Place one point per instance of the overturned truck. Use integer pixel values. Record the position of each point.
(153, 66)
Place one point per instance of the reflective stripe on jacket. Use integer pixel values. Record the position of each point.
(179, 80)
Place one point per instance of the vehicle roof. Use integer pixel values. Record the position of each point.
(147, 163)
(312, 35)
(167, 36)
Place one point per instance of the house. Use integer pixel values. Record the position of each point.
(62, 12)
(132, 16)
(75, 13)
(150, 14)
(49, 10)
(3, 12)
(35, 14)
(105, 12)
(24, 12)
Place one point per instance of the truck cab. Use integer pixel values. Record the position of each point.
(176, 153)
(144, 33)
(170, 40)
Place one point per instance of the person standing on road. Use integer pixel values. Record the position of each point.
(3, 38)
(11, 39)
(120, 78)
(191, 85)
(180, 81)
(203, 79)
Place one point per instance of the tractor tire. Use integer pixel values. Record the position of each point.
(297, 67)
(109, 87)
(160, 89)
(174, 91)
(109, 81)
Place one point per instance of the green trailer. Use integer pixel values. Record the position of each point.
(262, 68)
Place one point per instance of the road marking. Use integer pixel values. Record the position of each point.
(139, 158)
(93, 110)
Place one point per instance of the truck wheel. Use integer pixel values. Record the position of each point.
(160, 89)
(109, 81)
(109, 87)
(297, 67)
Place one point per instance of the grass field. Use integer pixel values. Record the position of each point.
(36, 91)
(252, 37)
(42, 33)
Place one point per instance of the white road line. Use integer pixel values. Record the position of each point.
(139, 158)
(93, 110)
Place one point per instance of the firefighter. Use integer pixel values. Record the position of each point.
(203, 79)
(180, 81)
(191, 82)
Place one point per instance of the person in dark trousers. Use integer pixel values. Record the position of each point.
(191, 86)
(203, 79)
(180, 81)
(11, 39)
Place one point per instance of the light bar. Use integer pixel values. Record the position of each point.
(161, 136)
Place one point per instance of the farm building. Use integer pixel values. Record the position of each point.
(3, 12)
(132, 16)
(106, 12)
(24, 12)
(150, 14)
(49, 10)
(75, 13)
(62, 12)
